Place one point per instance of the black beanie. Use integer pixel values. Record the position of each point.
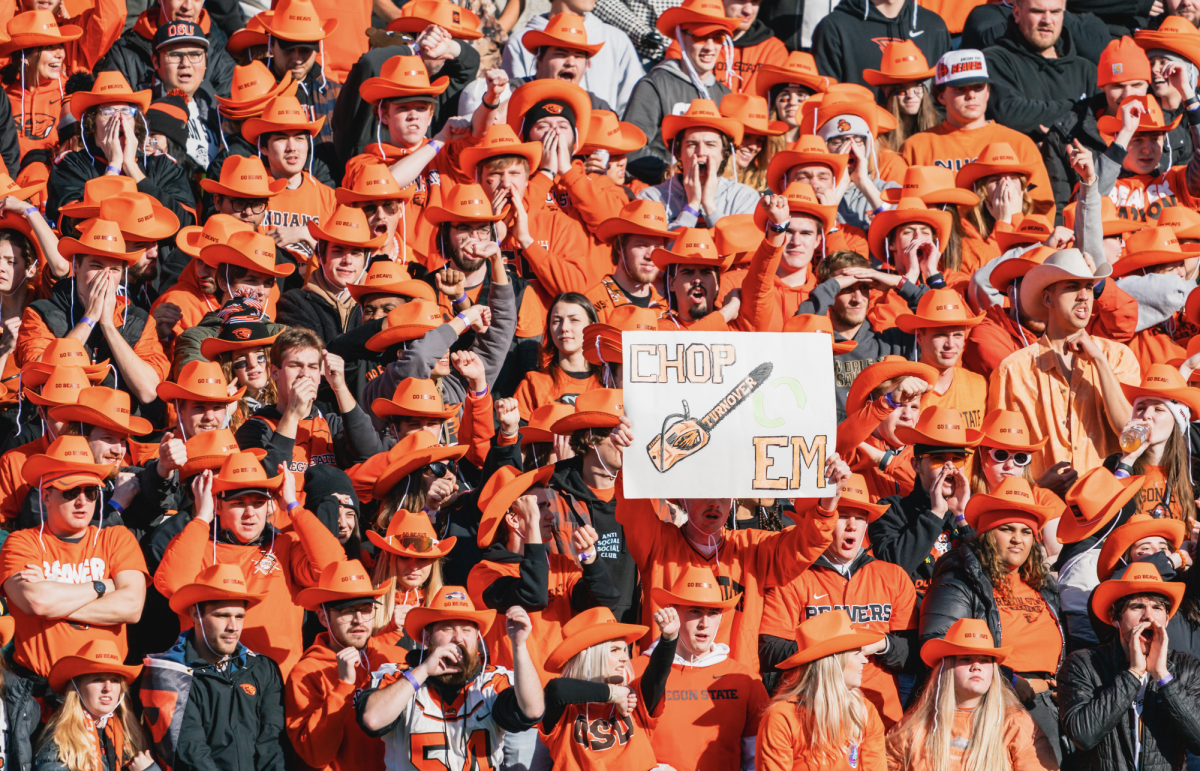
(551, 108)
(167, 116)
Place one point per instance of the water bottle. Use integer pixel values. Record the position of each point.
(1133, 437)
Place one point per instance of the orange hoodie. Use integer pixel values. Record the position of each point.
(320, 707)
(36, 110)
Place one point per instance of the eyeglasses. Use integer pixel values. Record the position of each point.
(241, 364)
(1019, 458)
(361, 611)
(481, 231)
(389, 208)
(177, 57)
(252, 205)
(440, 468)
(120, 109)
(91, 492)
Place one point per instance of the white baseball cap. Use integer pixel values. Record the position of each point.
(965, 67)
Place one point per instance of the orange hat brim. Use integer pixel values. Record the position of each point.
(586, 638)
(1125, 536)
(1072, 531)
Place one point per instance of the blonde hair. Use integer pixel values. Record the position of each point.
(70, 728)
(265, 395)
(831, 715)
(589, 664)
(981, 218)
(386, 572)
(930, 723)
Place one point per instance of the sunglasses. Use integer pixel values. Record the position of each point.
(241, 364)
(389, 207)
(439, 468)
(937, 459)
(416, 542)
(1001, 456)
(252, 205)
(90, 492)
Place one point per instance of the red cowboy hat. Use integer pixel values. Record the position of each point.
(201, 381)
(1140, 578)
(965, 637)
(103, 407)
(340, 581)
(826, 634)
(410, 321)
(1092, 502)
(937, 309)
(451, 603)
(607, 133)
(598, 408)
(410, 534)
(223, 582)
(499, 494)
(591, 627)
(696, 587)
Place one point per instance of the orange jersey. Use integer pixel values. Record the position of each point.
(709, 709)
(539, 389)
(783, 744)
(1153, 495)
(594, 736)
(877, 594)
(12, 487)
(967, 395)
(280, 567)
(296, 207)
(39, 641)
(746, 561)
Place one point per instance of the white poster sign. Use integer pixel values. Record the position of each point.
(728, 414)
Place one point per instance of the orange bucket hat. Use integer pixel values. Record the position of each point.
(826, 634)
(414, 451)
(702, 113)
(464, 203)
(416, 15)
(693, 246)
(340, 581)
(542, 420)
(283, 113)
(207, 450)
(591, 627)
(996, 158)
(215, 583)
(37, 29)
(802, 200)
(244, 178)
(696, 587)
(932, 184)
(95, 657)
(373, 182)
(875, 375)
(100, 238)
(752, 112)
(297, 21)
(811, 322)
(1011, 502)
(96, 190)
(245, 248)
(110, 87)
(1028, 229)
(1140, 578)
(1092, 502)
(415, 397)
(639, 217)
(451, 603)
(61, 386)
(1149, 247)
(410, 534)
(66, 463)
(63, 352)
(1136, 528)
(500, 139)
(941, 427)
(391, 278)
(937, 309)
(908, 211)
(140, 217)
(699, 16)
(606, 132)
(808, 150)
(799, 68)
(965, 637)
(1152, 119)
(1007, 430)
(103, 407)
(243, 471)
(902, 62)
(598, 408)
(201, 381)
(500, 492)
(217, 230)
(408, 322)
(254, 86)
(401, 77)
(564, 30)
(347, 226)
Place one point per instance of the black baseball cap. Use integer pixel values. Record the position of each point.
(174, 32)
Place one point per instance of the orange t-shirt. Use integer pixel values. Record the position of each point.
(594, 736)
(967, 395)
(1029, 626)
(539, 389)
(783, 744)
(311, 200)
(1154, 492)
(1142, 197)
(39, 641)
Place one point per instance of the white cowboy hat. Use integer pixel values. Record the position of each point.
(1063, 265)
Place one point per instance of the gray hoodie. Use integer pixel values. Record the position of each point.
(666, 90)
(732, 198)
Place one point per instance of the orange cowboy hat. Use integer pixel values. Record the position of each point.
(939, 426)
(415, 451)
(36, 29)
(606, 132)
(96, 190)
(1115, 225)
(103, 407)
(215, 583)
(591, 627)
(414, 397)
(752, 112)
(856, 496)
(464, 203)
(68, 462)
(201, 381)
(217, 230)
(100, 238)
(1140, 578)
(1152, 120)
(702, 113)
(693, 246)
(812, 322)
(1014, 268)
(63, 352)
(408, 322)
(207, 450)
(253, 34)
(247, 249)
(254, 86)
(391, 278)
(10, 188)
(1027, 229)
(373, 182)
(821, 109)
(875, 375)
(140, 217)
(61, 386)
(996, 158)
(602, 341)
(341, 581)
(347, 226)
(932, 184)
(639, 217)
(1162, 381)
(564, 30)
(1011, 502)
(410, 534)
(234, 337)
(402, 77)
(451, 603)
(297, 21)
(701, 17)
(1176, 34)
(110, 87)
(1149, 247)
(1136, 528)
(809, 150)
(1184, 220)
(283, 113)
(826, 634)
(902, 62)
(884, 120)
(696, 587)
(94, 657)
(939, 308)
(543, 419)
(243, 471)
(500, 492)
(561, 93)
(738, 235)
(598, 408)
(965, 637)
(416, 15)
(909, 210)
(1007, 430)
(499, 139)
(1095, 498)
(243, 177)
(799, 68)
(802, 200)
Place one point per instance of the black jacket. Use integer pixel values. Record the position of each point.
(165, 181)
(10, 146)
(131, 56)
(23, 689)
(907, 532)
(234, 715)
(851, 38)
(530, 589)
(1121, 16)
(354, 439)
(1095, 694)
(301, 308)
(986, 25)
(961, 589)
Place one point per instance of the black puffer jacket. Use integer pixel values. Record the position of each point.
(1095, 694)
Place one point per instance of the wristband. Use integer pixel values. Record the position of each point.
(120, 509)
(688, 209)
(771, 226)
(886, 459)
(463, 318)
(412, 680)
(436, 144)
(488, 106)
(891, 402)
(583, 557)
(30, 210)
(1169, 676)
(881, 210)
(112, 169)
(480, 394)
(462, 299)
(903, 281)
(89, 322)
(1121, 474)
(292, 506)
(1192, 103)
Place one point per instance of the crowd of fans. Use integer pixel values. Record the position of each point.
(314, 318)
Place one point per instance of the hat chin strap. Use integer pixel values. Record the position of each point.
(101, 720)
